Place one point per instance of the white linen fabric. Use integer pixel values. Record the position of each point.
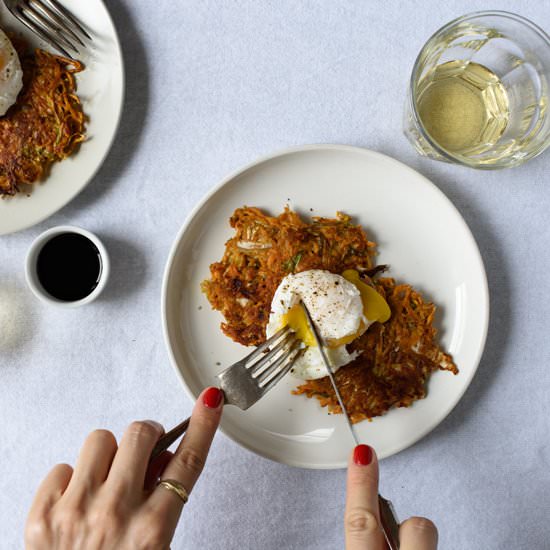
(212, 85)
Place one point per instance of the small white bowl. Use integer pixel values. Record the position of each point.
(32, 256)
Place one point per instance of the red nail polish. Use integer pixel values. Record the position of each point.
(362, 456)
(212, 398)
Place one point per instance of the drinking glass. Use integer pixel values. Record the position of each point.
(478, 92)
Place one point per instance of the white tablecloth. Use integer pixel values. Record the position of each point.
(211, 85)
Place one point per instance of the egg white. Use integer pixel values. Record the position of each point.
(336, 309)
(11, 74)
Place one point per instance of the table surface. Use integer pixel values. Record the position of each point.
(210, 87)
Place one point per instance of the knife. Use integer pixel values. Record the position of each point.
(388, 518)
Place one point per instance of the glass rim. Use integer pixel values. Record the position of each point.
(473, 15)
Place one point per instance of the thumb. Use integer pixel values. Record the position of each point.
(418, 534)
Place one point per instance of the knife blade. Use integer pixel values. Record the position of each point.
(328, 366)
(388, 518)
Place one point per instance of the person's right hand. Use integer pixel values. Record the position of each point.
(110, 499)
(362, 517)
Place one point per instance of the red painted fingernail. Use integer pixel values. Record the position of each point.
(212, 398)
(362, 456)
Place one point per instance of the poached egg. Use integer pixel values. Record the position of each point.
(11, 74)
(342, 307)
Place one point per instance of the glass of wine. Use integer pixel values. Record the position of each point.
(479, 92)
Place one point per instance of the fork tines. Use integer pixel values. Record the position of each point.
(279, 353)
(248, 380)
(51, 22)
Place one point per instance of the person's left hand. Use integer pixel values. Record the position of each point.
(362, 517)
(109, 500)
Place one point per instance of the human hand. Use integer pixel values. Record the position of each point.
(110, 498)
(362, 517)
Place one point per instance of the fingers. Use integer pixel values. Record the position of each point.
(418, 534)
(156, 469)
(188, 461)
(132, 458)
(49, 492)
(362, 520)
(190, 457)
(94, 461)
(52, 487)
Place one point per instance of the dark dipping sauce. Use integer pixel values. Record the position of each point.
(69, 267)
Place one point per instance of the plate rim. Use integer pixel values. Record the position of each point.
(120, 107)
(323, 147)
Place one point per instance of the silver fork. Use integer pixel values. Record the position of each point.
(249, 379)
(51, 22)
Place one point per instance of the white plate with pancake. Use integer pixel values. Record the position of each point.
(420, 234)
(101, 90)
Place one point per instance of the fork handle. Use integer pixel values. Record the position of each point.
(168, 438)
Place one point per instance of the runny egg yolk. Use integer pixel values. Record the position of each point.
(296, 319)
(375, 308)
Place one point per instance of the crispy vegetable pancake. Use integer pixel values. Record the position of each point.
(395, 358)
(264, 250)
(46, 123)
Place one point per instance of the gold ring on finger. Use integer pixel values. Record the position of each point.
(176, 487)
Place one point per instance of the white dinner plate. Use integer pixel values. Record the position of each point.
(100, 87)
(420, 234)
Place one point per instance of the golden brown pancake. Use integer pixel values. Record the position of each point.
(45, 125)
(395, 358)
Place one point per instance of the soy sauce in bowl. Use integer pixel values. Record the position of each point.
(69, 267)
